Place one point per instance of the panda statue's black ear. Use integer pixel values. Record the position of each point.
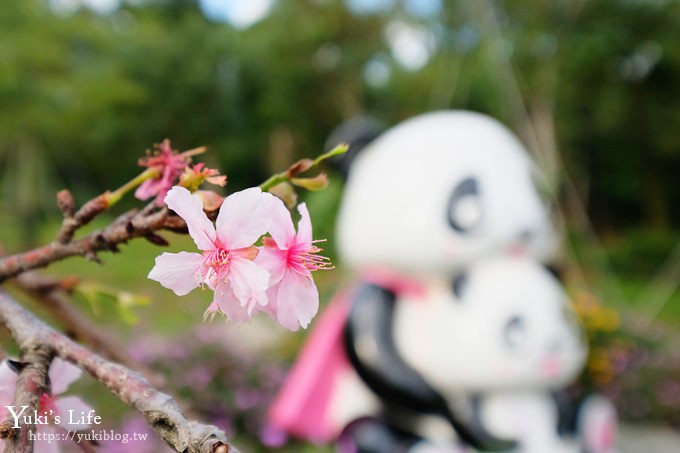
(357, 133)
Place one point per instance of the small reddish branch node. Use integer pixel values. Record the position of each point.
(7, 430)
(72, 222)
(222, 448)
(66, 203)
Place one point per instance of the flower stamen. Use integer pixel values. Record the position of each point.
(215, 266)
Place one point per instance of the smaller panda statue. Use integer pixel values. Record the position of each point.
(478, 361)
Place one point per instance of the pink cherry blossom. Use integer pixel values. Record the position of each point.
(290, 259)
(61, 374)
(195, 175)
(226, 262)
(170, 165)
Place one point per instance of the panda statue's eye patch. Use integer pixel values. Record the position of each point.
(514, 332)
(464, 208)
(458, 285)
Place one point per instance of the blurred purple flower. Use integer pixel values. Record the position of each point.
(273, 437)
(669, 393)
(246, 398)
(198, 377)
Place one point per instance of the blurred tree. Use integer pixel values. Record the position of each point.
(592, 83)
(618, 103)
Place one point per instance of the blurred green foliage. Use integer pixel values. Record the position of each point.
(82, 95)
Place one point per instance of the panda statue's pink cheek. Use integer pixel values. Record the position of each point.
(518, 250)
(551, 366)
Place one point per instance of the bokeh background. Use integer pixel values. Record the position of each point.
(591, 88)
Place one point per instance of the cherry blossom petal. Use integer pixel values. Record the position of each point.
(147, 189)
(70, 420)
(249, 283)
(304, 234)
(244, 217)
(190, 208)
(281, 229)
(272, 306)
(62, 374)
(297, 301)
(211, 311)
(227, 303)
(177, 271)
(274, 261)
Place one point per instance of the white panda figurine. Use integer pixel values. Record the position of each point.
(475, 361)
(423, 200)
(441, 190)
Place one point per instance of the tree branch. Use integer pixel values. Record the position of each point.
(83, 216)
(32, 382)
(129, 225)
(52, 295)
(159, 409)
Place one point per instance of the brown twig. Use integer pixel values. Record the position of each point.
(129, 225)
(159, 409)
(51, 294)
(83, 216)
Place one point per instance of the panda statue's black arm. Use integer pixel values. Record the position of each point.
(374, 435)
(370, 347)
